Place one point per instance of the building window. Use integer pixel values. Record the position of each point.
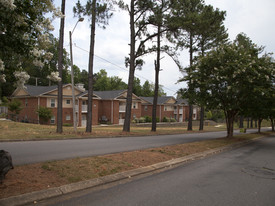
(145, 108)
(52, 102)
(68, 117)
(26, 102)
(134, 105)
(68, 101)
(165, 108)
(52, 119)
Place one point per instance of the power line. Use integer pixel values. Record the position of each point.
(122, 68)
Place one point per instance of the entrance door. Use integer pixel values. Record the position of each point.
(83, 120)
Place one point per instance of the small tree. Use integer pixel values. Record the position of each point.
(15, 106)
(44, 114)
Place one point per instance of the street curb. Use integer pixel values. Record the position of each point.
(65, 189)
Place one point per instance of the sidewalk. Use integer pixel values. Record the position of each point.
(65, 189)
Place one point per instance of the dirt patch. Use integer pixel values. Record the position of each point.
(29, 178)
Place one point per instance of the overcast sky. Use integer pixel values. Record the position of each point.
(253, 17)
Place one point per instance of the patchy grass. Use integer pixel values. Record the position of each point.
(33, 177)
(25, 131)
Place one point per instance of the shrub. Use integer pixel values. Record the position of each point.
(44, 114)
(148, 119)
(173, 120)
(141, 120)
(15, 106)
(165, 119)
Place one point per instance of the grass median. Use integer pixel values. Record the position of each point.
(34, 177)
(10, 130)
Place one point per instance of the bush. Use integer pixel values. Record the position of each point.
(165, 119)
(44, 114)
(15, 106)
(141, 120)
(173, 120)
(148, 119)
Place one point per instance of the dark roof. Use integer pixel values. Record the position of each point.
(182, 101)
(38, 90)
(109, 94)
(105, 94)
(161, 100)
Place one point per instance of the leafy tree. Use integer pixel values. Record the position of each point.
(116, 83)
(15, 106)
(99, 12)
(24, 33)
(137, 88)
(147, 89)
(102, 82)
(38, 74)
(44, 114)
(228, 78)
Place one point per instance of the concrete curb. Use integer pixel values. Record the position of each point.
(65, 189)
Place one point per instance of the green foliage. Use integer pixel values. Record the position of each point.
(44, 113)
(24, 29)
(215, 115)
(209, 115)
(5, 101)
(165, 119)
(15, 106)
(148, 119)
(231, 77)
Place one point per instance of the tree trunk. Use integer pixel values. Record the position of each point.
(259, 125)
(157, 69)
(201, 118)
(91, 65)
(230, 115)
(256, 125)
(247, 123)
(190, 118)
(251, 123)
(241, 122)
(59, 128)
(127, 121)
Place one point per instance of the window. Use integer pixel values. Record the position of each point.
(52, 119)
(68, 101)
(26, 102)
(68, 117)
(52, 102)
(134, 105)
(145, 108)
(165, 108)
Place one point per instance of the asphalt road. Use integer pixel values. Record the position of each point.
(27, 152)
(243, 176)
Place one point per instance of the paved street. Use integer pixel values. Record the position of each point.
(26, 152)
(243, 176)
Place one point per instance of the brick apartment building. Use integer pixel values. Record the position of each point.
(108, 106)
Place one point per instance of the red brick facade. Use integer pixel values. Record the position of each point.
(105, 109)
